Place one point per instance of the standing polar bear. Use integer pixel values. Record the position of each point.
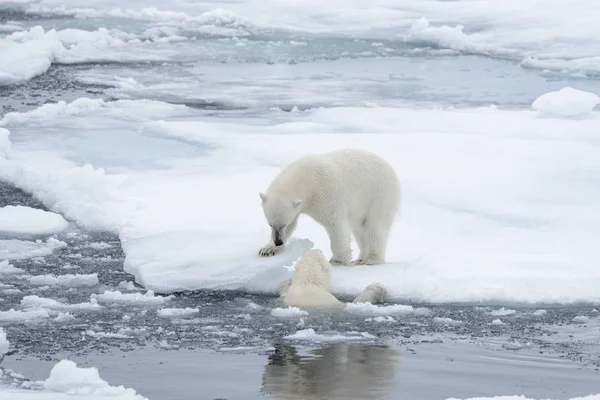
(347, 191)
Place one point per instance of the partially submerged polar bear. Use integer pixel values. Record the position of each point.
(310, 285)
(346, 191)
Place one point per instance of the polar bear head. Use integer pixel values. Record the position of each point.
(280, 213)
(313, 268)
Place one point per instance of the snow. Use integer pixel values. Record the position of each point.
(567, 102)
(177, 312)
(4, 344)
(8, 269)
(381, 319)
(540, 312)
(106, 335)
(33, 51)
(375, 311)
(501, 312)
(27, 220)
(127, 285)
(136, 298)
(64, 317)
(67, 381)
(68, 280)
(31, 315)
(488, 195)
(446, 321)
(450, 38)
(4, 142)
(311, 336)
(13, 249)
(289, 312)
(37, 302)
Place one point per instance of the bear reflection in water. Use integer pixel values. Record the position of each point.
(339, 371)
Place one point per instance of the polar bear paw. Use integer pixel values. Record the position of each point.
(337, 262)
(270, 250)
(368, 261)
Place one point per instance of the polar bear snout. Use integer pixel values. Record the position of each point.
(278, 241)
(278, 236)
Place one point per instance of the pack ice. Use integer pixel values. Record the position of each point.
(498, 205)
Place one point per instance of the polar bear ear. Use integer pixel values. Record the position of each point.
(263, 197)
(296, 203)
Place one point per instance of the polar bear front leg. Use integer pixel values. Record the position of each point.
(340, 239)
(270, 249)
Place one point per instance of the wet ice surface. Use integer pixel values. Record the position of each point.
(467, 350)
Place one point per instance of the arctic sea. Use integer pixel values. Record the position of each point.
(135, 137)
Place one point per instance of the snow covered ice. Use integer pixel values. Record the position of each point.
(508, 174)
(567, 102)
(26, 220)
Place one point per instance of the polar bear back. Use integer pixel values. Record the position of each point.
(313, 269)
(309, 296)
(350, 177)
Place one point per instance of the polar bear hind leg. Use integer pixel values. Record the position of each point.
(372, 236)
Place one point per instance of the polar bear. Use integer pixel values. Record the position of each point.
(310, 285)
(374, 293)
(347, 191)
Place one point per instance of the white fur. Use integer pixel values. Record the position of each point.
(310, 284)
(374, 293)
(349, 192)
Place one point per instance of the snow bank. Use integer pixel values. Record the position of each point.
(137, 298)
(13, 249)
(445, 36)
(289, 312)
(28, 53)
(488, 197)
(68, 280)
(27, 220)
(567, 102)
(216, 22)
(177, 312)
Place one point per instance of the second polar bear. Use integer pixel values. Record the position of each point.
(348, 191)
(310, 285)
